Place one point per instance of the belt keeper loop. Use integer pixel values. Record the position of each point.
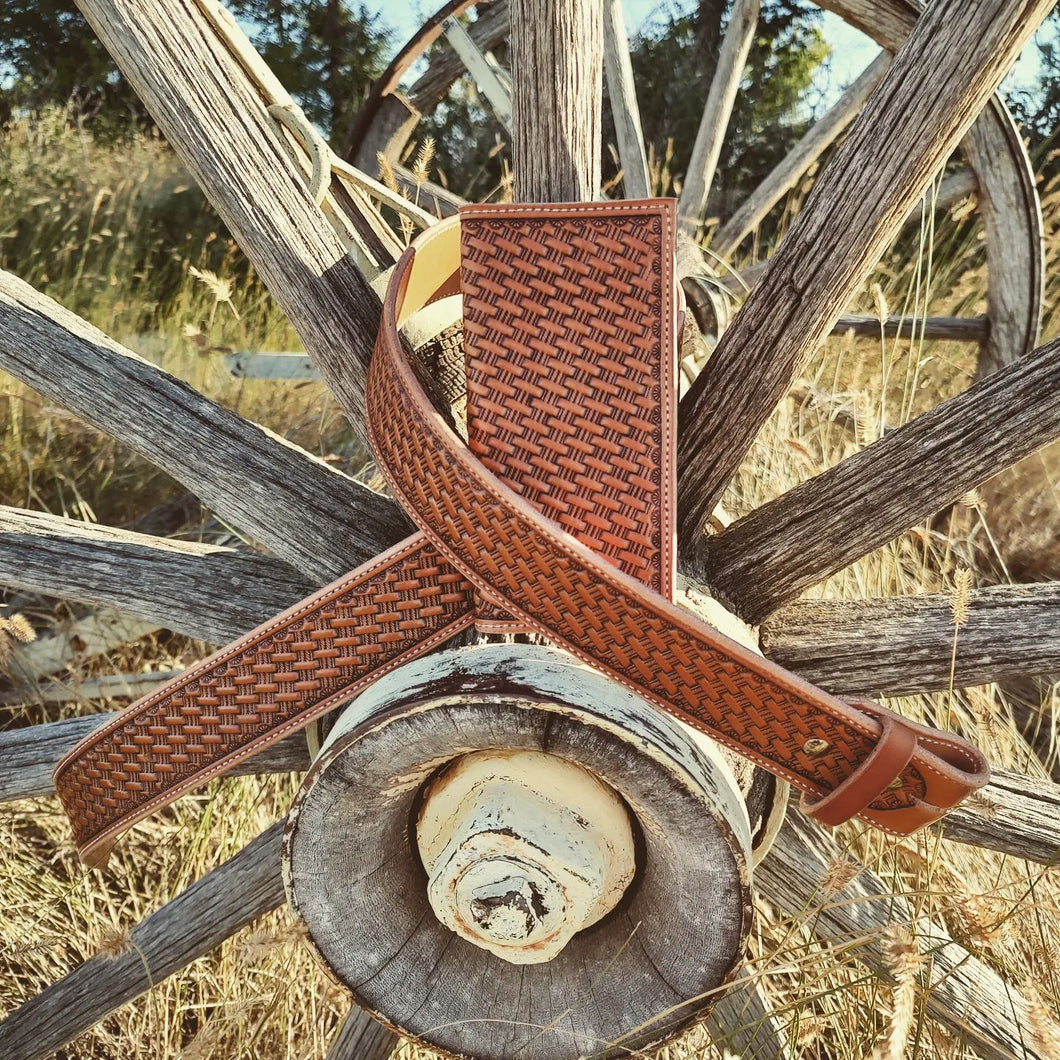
(885, 762)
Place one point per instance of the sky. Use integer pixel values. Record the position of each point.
(852, 51)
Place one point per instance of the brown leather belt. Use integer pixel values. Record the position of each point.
(524, 267)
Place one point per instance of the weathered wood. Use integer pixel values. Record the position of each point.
(1015, 242)
(354, 879)
(944, 74)
(790, 170)
(393, 126)
(484, 70)
(84, 690)
(964, 994)
(1014, 814)
(957, 329)
(1004, 182)
(361, 1038)
(359, 225)
(206, 591)
(732, 57)
(742, 1022)
(440, 201)
(385, 87)
(618, 71)
(304, 510)
(252, 364)
(904, 645)
(556, 123)
(28, 756)
(767, 558)
(214, 118)
(954, 188)
(488, 31)
(211, 910)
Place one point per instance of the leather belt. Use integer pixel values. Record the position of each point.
(479, 537)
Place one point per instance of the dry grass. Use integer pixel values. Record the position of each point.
(91, 226)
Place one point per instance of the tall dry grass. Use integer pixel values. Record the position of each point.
(115, 233)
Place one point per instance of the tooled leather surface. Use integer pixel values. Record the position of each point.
(252, 693)
(409, 600)
(570, 358)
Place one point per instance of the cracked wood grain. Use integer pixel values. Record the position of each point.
(206, 591)
(308, 513)
(768, 557)
(941, 78)
(903, 645)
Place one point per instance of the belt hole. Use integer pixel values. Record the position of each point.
(815, 746)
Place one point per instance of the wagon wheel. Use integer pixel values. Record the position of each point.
(998, 172)
(214, 114)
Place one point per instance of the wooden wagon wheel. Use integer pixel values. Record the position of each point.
(998, 172)
(316, 523)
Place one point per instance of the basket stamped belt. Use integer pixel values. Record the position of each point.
(480, 540)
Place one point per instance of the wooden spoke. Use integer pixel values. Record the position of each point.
(767, 558)
(742, 1022)
(618, 70)
(211, 910)
(214, 118)
(484, 69)
(388, 118)
(791, 169)
(732, 57)
(488, 31)
(898, 646)
(1012, 223)
(385, 87)
(957, 329)
(551, 111)
(965, 995)
(305, 511)
(1005, 182)
(28, 756)
(440, 201)
(84, 690)
(206, 591)
(1014, 814)
(955, 187)
(945, 73)
(361, 1038)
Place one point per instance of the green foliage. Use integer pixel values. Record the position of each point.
(327, 54)
(1037, 108)
(674, 59)
(50, 55)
